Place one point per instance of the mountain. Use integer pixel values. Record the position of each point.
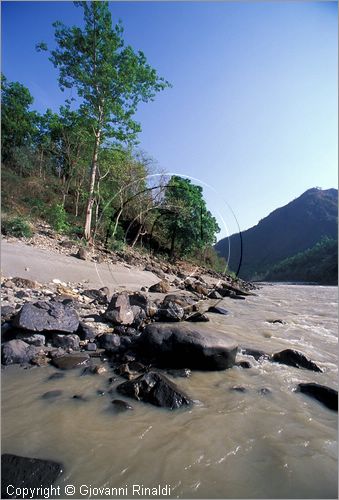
(285, 232)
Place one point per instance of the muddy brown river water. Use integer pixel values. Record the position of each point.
(254, 444)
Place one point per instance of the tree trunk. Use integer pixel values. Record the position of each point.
(88, 221)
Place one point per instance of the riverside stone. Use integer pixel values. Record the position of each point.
(119, 310)
(66, 341)
(17, 351)
(161, 287)
(120, 405)
(294, 358)
(322, 393)
(170, 311)
(187, 345)
(27, 472)
(156, 389)
(47, 316)
(218, 310)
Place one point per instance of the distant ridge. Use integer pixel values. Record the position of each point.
(286, 231)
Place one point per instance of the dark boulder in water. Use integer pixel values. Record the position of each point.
(24, 472)
(294, 358)
(70, 361)
(187, 345)
(322, 393)
(120, 405)
(156, 389)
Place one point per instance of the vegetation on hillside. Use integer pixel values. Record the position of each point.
(80, 169)
(318, 264)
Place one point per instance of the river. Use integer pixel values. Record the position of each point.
(254, 444)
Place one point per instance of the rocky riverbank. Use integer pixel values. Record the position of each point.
(142, 339)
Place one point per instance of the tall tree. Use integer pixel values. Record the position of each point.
(186, 222)
(109, 77)
(18, 123)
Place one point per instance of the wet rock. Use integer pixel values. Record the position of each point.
(276, 321)
(27, 472)
(187, 345)
(218, 310)
(294, 358)
(70, 361)
(109, 341)
(264, 391)
(243, 364)
(56, 376)
(130, 370)
(52, 394)
(198, 317)
(161, 287)
(119, 310)
(237, 388)
(79, 397)
(66, 341)
(156, 389)
(47, 316)
(120, 405)
(233, 295)
(322, 393)
(180, 372)
(187, 302)
(170, 311)
(18, 352)
(91, 346)
(255, 353)
(40, 359)
(214, 295)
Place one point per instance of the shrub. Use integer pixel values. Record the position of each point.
(16, 226)
(57, 217)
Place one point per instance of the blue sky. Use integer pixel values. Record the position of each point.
(253, 108)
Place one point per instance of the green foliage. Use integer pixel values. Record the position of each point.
(318, 264)
(18, 123)
(57, 217)
(16, 226)
(184, 219)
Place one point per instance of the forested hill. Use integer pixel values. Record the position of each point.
(287, 231)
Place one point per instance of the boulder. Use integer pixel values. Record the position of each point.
(18, 351)
(66, 341)
(218, 310)
(70, 361)
(86, 331)
(322, 393)
(291, 357)
(144, 302)
(255, 353)
(99, 296)
(215, 295)
(170, 311)
(119, 310)
(187, 302)
(198, 317)
(47, 316)
(187, 345)
(7, 313)
(83, 253)
(109, 341)
(156, 389)
(24, 472)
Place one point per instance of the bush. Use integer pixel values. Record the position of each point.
(16, 226)
(57, 217)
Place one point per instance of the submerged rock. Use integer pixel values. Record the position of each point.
(47, 316)
(187, 345)
(198, 317)
(218, 310)
(27, 472)
(52, 394)
(70, 361)
(294, 358)
(322, 393)
(156, 389)
(120, 405)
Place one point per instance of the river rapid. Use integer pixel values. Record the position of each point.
(253, 444)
